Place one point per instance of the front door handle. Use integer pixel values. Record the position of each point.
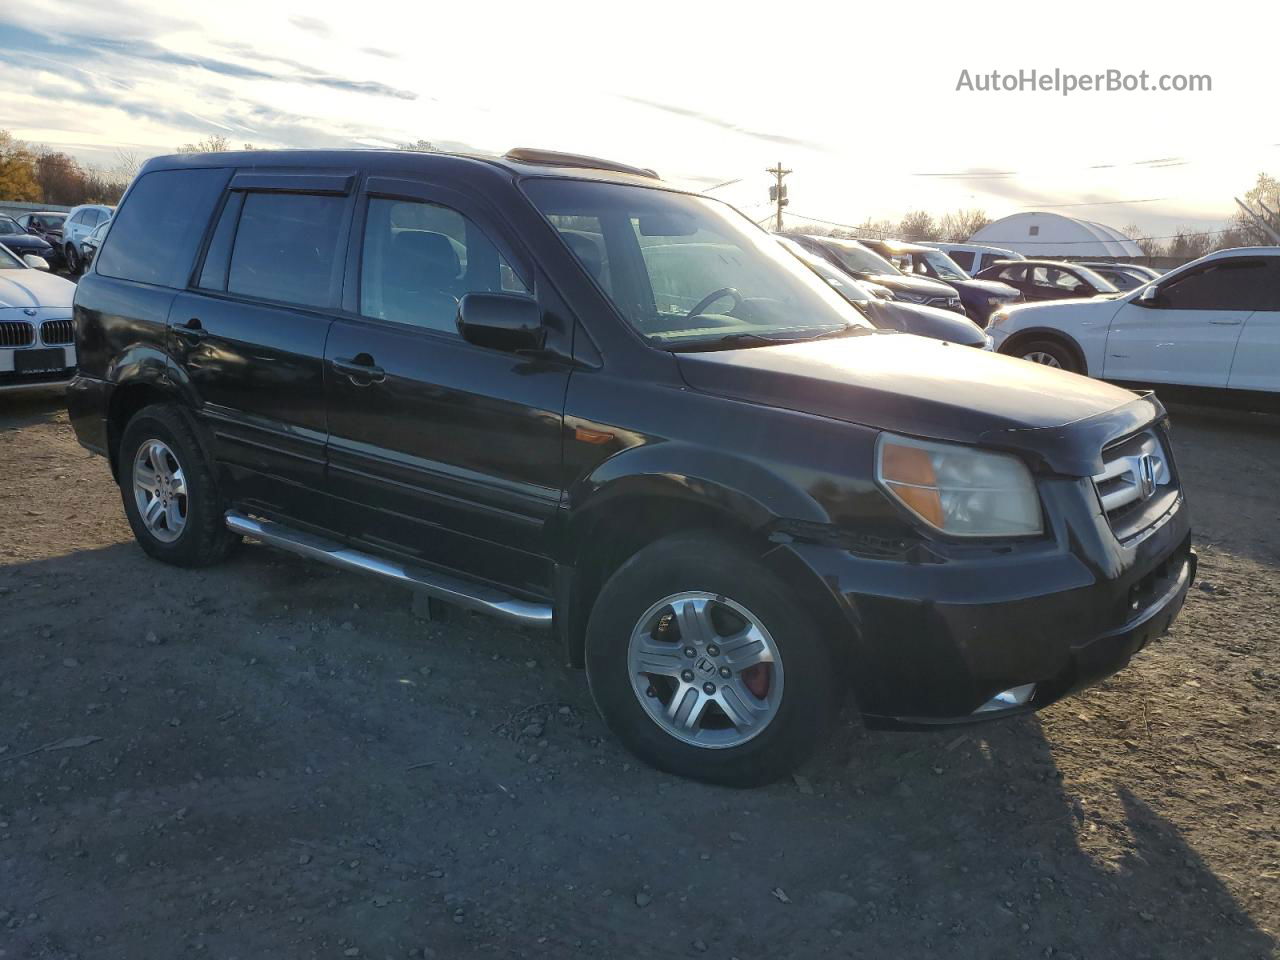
(360, 370)
(192, 331)
(1226, 322)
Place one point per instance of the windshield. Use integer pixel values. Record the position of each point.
(857, 258)
(9, 227)
(689, 271)
(837, 279)
(1099, 284)
(49, 221)
(944, 268)
(9, 262)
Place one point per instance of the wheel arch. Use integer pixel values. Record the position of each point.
(1012, 344)
(624, 507)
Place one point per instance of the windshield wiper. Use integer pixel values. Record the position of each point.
(744, 339)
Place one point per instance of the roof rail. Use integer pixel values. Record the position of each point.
(552, 158)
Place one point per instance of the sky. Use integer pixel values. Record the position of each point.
(859, 100)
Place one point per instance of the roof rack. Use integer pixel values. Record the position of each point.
(552, 158)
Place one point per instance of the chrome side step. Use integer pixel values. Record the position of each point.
(473, 596)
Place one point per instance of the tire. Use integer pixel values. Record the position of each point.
(792, 700)
(160, 443)
(1050, 353)
(72, 258)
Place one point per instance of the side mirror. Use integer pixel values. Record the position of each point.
(501, 321)
(1150, 296)
(35, 262)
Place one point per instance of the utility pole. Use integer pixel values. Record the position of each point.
(778, 193)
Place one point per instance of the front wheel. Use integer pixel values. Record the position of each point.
(1049, 353)
(72, 258)
(703, 664)
(170, 494)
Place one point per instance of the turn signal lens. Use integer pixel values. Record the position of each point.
(959, 490)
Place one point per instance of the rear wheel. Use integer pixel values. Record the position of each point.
(700, 661)
(72, 258)
(170, 494)
(1050, 353)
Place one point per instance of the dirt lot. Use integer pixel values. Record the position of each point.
(273, 759)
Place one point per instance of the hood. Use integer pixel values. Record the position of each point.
(925, 321)
(35, 288)
(929, 388)
(902, 281)
(21, 243)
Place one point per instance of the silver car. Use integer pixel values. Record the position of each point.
(37, 336)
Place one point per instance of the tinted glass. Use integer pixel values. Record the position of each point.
(963, 258)
(1012, 274)
(9, 227)
(1222, 285)
(420, 259)
(286, 248)
(158, 229)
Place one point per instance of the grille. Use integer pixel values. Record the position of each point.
(1135, 480)
(16, 333)
(54, 332)
(946, 303)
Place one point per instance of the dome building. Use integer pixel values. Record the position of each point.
(1040, 234)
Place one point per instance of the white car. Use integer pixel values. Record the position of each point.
(81, 221)
(974, 257)
(37, 336)
(1214, 322)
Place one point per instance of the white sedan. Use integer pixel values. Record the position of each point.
(1214, 322)
(37, 337)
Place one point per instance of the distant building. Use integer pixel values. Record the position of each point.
(1053, 235)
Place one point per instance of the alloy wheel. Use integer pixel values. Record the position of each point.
(705, 670)
(160, 491)
(1039, 356)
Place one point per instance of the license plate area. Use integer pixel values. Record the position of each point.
(51, 360)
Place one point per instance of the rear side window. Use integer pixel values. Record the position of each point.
(156, 232)
(285, 248)
(1013, 274)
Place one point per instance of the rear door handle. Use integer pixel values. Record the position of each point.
(191, 331)
(360, 370)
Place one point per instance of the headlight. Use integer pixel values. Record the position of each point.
(995, 302)
(912, 297)
(959, 490)
(997, 318)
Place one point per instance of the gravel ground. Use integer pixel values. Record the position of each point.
(273, 759)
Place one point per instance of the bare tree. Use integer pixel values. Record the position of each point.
(918, 225)
(216, 143)
(1265, 192)
(420, 146)
(959, 226)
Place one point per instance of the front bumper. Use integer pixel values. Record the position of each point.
(933, 642)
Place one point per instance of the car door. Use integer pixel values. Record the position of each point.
(1187, 331)
(440, 450)
(1256, 365)
(249, 338)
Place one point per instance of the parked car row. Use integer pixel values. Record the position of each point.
(37, 342)
(57, 238)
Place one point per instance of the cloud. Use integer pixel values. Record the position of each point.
(727, 125)
(379, 52)
(311, 25)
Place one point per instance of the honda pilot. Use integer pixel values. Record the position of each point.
(562, 392)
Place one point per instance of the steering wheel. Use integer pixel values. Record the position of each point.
(712, 297)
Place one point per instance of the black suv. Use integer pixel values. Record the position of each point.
(558, 391)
